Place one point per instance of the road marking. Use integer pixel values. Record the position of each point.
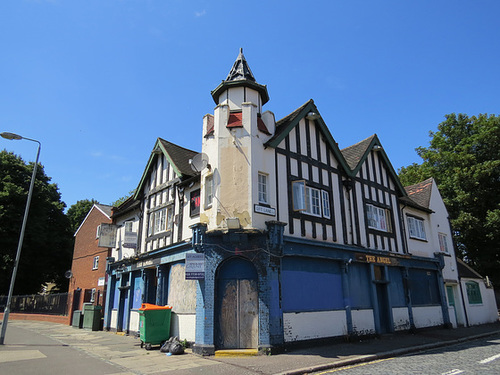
(19, 355)
(354, 366)
(452, 372)
(492, 358)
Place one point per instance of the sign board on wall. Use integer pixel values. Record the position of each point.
(195, 266)
(130, 240)
(264, 210)
(107, 235)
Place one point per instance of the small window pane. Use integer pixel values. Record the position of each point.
(262, 186)
(299, 199)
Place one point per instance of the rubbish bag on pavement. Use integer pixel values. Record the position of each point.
(173, 345)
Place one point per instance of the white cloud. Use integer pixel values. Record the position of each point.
(200, 14)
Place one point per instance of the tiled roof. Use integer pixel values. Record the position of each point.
(105, 208)
(180, 156)
(281, 125)
(464, 270)
(421, 192)
(354, 153)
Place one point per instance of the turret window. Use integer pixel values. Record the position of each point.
(209, 191)
(263, 188)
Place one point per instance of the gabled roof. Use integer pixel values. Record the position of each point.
(354, 153)
(421, 192)
(287, 123)
(357, 154)
(240, 75)
(103, 208)
(464, 270)
(177, 156)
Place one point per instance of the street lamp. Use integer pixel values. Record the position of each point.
(6, 311)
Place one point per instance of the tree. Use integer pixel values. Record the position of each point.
(78, 211)
(121, 200)
(47, 246)
(464, 159)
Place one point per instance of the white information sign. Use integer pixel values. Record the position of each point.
(195, 266)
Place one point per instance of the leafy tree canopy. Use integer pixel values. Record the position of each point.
(120, 200)
(47, 246)
(78, 211)
(464, 159)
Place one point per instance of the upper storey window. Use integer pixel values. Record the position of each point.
(310, 200)
(209, 191)
(416, 228)
(160, 221)
(378, 218)
(262, 181)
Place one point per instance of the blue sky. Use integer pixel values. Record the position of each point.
(97, 81)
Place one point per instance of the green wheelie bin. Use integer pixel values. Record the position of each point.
(154, 324)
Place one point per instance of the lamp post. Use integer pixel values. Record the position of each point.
(6, 311)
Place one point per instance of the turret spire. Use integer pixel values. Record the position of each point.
(240, 75)
(240, 69)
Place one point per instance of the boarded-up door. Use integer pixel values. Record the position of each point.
(237, 305)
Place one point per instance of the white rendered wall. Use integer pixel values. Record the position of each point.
(401, 318)
(363, 322)
(427, 316)
(314, 325)
(482, 313)
(183, 326)
(114, 319)
(134, 321)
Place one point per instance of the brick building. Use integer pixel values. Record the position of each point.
(87, 283)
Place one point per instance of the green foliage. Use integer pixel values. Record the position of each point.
(48, 243)
(464, 159)
(78, 211)
(121, 200)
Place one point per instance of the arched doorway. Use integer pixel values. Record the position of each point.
(237, 305)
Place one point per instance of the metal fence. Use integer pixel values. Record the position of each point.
(53, 304)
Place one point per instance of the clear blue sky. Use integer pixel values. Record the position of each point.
(97, 81)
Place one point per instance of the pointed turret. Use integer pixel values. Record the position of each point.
(240, 76)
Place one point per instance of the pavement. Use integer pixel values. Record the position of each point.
(43, 347)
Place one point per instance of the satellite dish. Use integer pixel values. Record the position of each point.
(68, 274)
(199, 162)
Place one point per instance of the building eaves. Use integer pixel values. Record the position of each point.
(100, 207)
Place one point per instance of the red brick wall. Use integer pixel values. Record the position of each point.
(86, 248)
(39, 317)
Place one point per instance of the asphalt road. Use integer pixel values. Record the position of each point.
(472, 357)
(29, 353)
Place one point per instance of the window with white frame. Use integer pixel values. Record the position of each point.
(95, 264)
(416, 228)
(310, 200)
(262, 187)
(160, 221)
(378, 218)
(443, 242)
(209, 191)
(98, 232)
(326, 203)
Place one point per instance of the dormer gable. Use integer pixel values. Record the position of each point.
(178, 158)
